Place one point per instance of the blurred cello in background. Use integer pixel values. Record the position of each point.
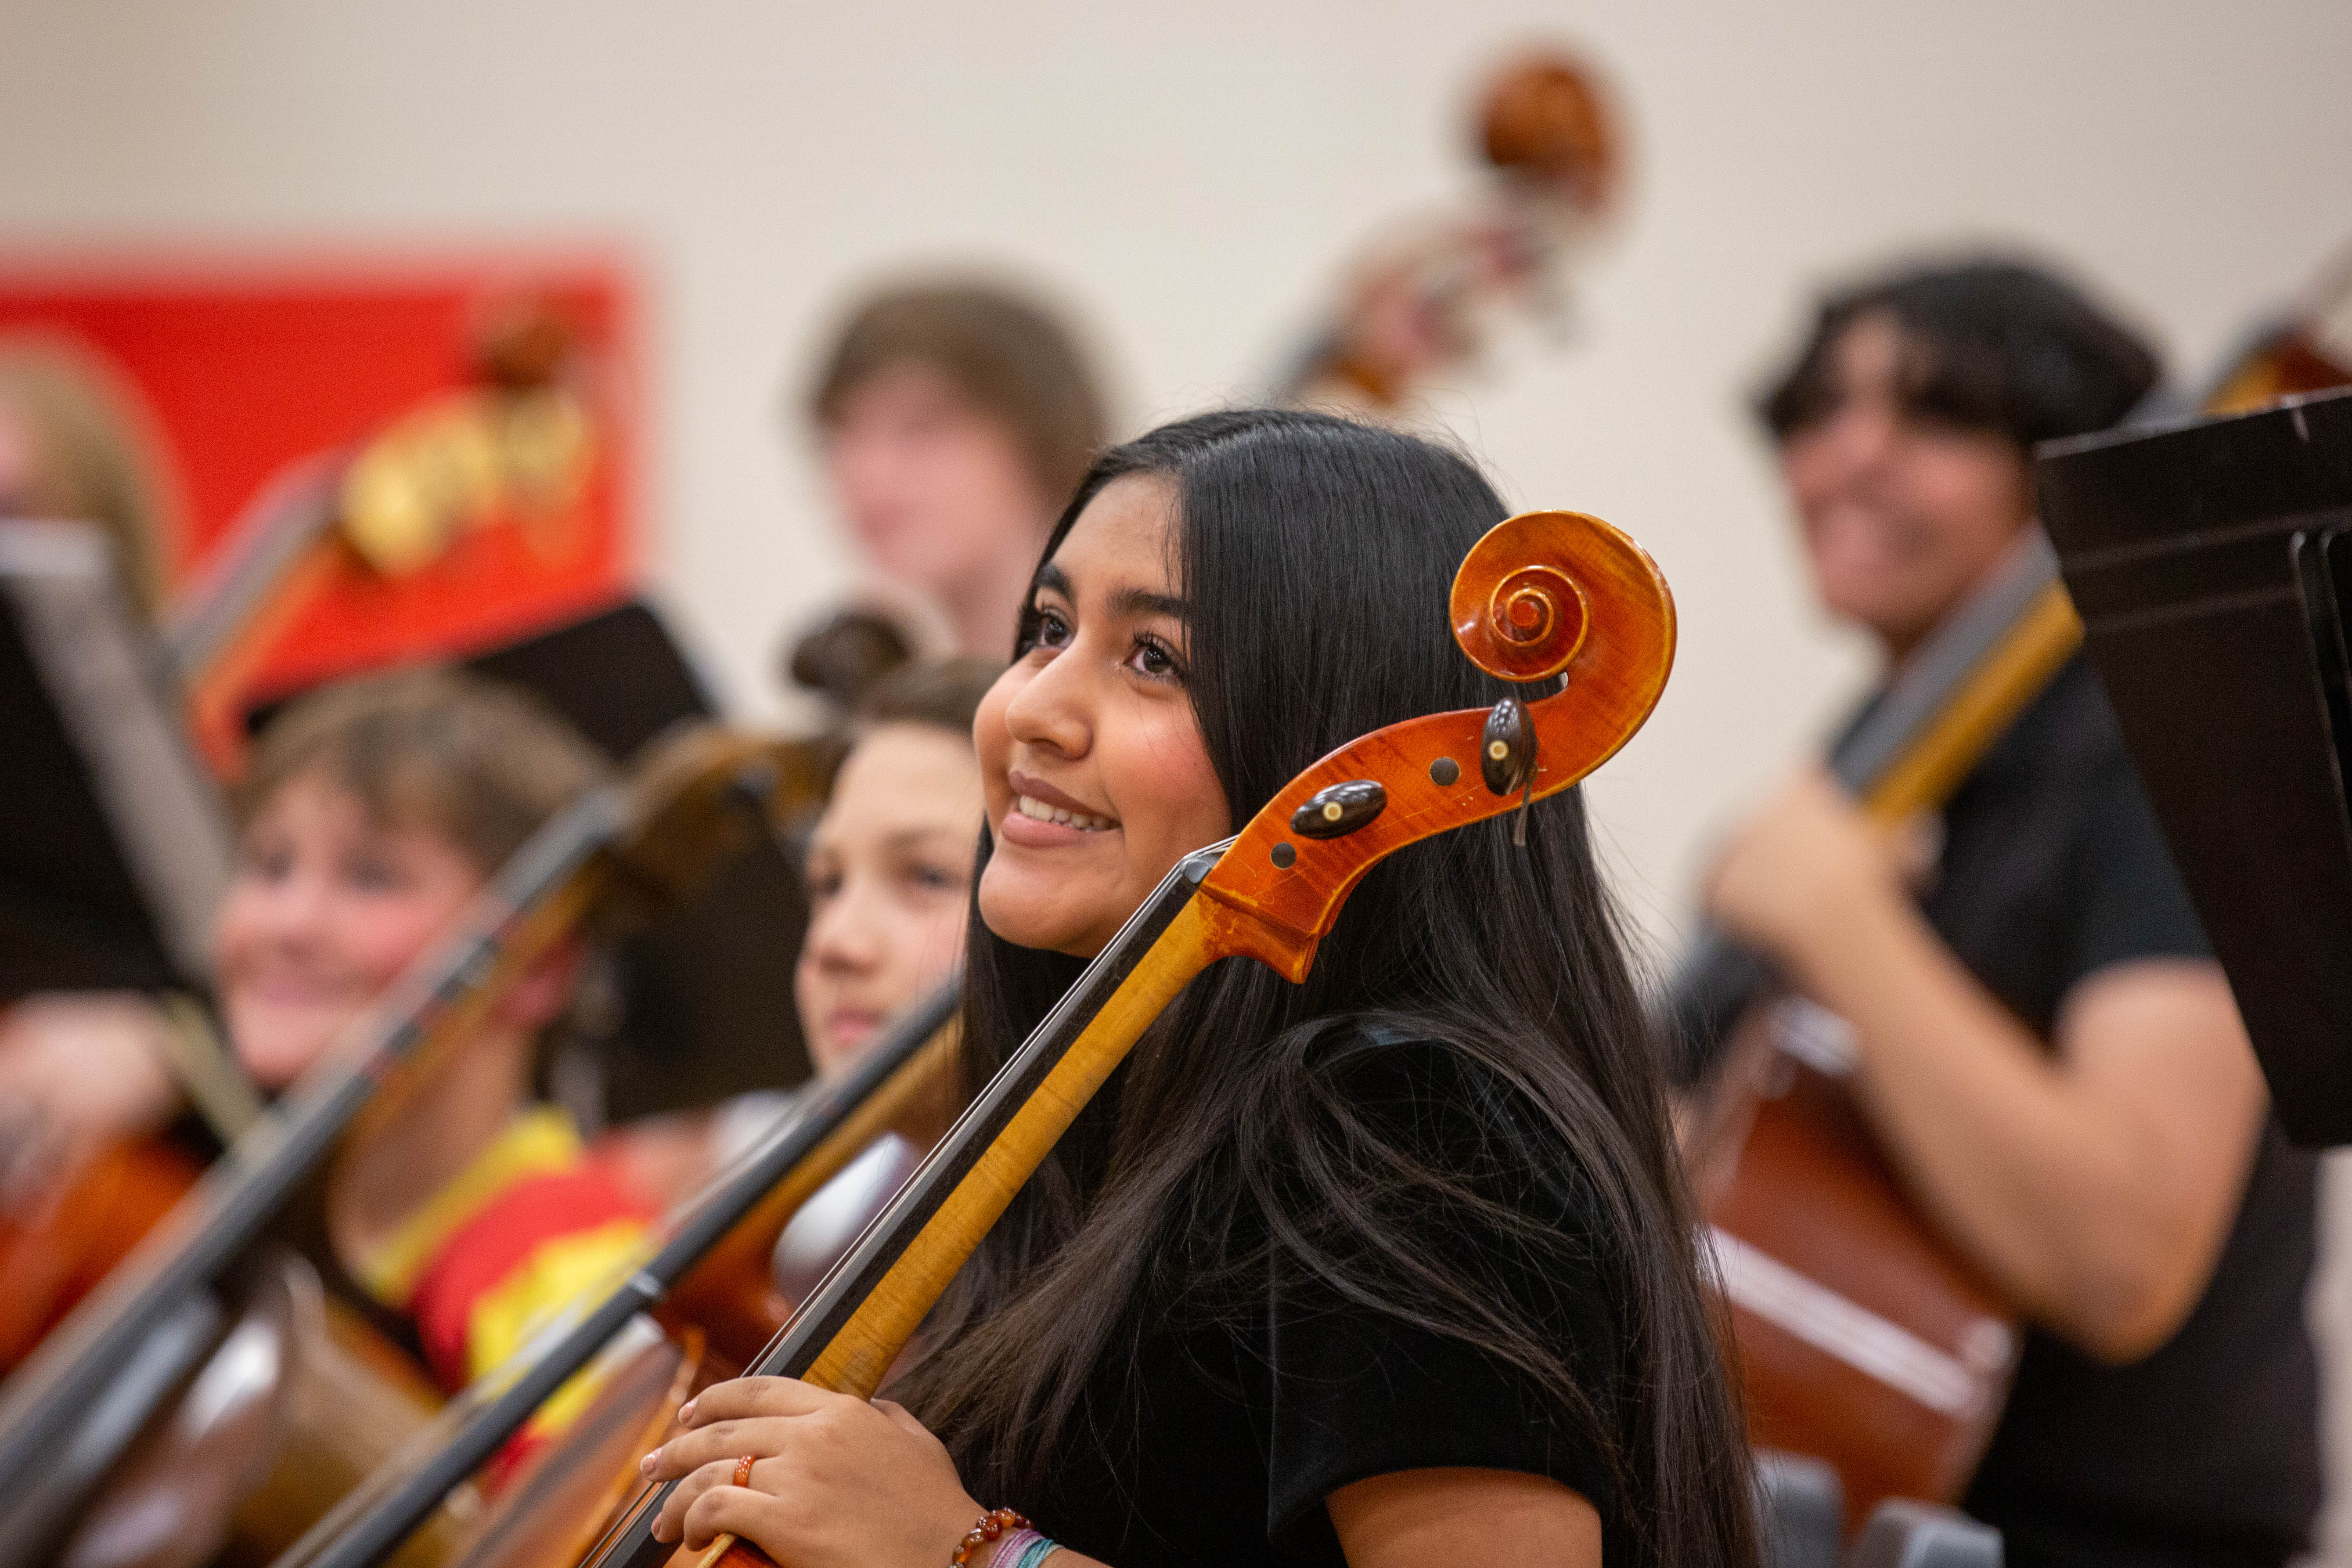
(2309, 349)
(170, 1416)
(1864, 1338)
(1427, 299)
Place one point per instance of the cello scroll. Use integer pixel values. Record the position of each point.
(1544, 595)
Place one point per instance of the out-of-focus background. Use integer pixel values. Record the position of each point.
(1192, 184)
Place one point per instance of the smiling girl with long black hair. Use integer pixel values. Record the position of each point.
(1393, 1267)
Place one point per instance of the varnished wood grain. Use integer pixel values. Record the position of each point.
(862, 1352)
(1615, 644)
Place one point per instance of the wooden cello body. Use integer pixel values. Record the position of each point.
(1861, 1338)
(299, 1399)
(1864, 1338)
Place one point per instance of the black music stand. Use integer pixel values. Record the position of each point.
(113, 845)
(2212, 566)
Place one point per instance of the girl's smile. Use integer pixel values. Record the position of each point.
(1097, 777)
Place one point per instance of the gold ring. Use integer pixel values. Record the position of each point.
(743, 1469)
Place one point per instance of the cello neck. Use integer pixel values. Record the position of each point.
(1954, 697)
(1960, 687)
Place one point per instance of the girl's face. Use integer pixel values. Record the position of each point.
(327, 906)
(889, 879)
(1902, 514)
(1096, 779)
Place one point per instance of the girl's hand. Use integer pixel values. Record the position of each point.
(836, 1480)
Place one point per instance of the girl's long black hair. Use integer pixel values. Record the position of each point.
(1315, 556)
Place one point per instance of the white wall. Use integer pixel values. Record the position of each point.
(1191, 181)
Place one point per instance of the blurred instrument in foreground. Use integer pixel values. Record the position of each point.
(1864, 1339)
(1427, 299)
(706, 1272)
(114, 851)
(149, 1364)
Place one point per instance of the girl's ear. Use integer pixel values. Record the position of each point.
(543, 991)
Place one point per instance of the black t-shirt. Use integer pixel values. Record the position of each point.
(2205, 1451)
(1228, 1407)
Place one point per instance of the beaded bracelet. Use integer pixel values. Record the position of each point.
(992, 1525)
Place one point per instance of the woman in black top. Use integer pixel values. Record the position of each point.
(1389, 1268)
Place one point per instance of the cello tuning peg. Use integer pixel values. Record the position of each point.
(1506, 749)
(1507, 757)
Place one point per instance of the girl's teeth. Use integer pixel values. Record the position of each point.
(1039, 811)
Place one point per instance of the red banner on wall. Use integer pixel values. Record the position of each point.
(248, 368)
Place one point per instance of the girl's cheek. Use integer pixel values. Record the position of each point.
(391, 948)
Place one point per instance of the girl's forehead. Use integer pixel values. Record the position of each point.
(318, 798)
(1126, 537)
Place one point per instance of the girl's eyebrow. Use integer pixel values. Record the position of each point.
(1130, 602)
(1125, 602)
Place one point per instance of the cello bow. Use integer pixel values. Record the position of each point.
(1544, 596)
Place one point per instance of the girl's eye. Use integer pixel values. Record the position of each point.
(377, 874)
(824, 886)
(1155, 659)
(269, 862)
(1051, 629)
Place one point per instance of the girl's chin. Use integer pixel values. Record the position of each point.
(1044, 923)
